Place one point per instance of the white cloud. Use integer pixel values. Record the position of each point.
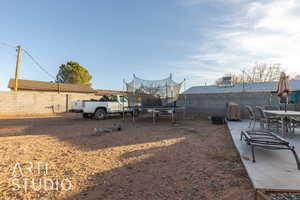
(278, 15)
(196, 2)
(257, 32)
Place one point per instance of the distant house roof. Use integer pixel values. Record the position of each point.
(107, 92)
(249, 87)
(50, 86)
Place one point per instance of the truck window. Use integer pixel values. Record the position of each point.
(113, 98)
(104, 98)
(123, 99)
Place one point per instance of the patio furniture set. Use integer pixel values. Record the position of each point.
(272, 123)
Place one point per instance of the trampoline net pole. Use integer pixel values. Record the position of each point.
(124, 100)
(184, 96)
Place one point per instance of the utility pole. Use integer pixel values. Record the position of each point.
(19, 50)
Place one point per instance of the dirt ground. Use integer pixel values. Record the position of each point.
(60, 158)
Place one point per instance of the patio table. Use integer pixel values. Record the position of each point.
(283, 114)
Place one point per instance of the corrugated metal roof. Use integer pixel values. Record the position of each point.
(249, 87)
(49, 86)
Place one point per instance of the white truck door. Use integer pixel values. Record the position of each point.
(113, 103)
(123, 101)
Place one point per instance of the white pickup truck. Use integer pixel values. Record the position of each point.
(99, 109)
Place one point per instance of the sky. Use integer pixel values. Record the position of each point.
(199, 40)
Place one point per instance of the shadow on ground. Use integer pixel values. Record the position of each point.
(187, 169)
(80, 132)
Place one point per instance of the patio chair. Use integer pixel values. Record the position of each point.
(295, 123)
(270, 121)
(276, 119)
(269, 141)
(252, 117)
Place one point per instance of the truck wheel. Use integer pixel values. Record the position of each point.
(100, 114)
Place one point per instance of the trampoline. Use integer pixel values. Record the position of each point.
(158, 97)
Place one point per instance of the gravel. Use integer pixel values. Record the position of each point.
(285, 196)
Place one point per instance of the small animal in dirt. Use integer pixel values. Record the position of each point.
(101, 131)
(192, 130)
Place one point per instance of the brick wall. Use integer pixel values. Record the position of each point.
(215, 104)
(24, 103)
(27, 103)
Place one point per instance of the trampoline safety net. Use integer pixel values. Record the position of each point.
(149, 93)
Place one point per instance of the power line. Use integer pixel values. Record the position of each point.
(32, 58)
(7, 45)
(39, 65)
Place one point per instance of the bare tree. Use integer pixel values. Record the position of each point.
(260, 72)
(294, 76)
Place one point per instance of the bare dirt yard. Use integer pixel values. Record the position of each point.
(60, 158)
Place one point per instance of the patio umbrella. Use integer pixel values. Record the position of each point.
(283, 88)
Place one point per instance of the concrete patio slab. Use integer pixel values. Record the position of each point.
(273, 170)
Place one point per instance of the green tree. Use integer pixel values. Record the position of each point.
(73, 72)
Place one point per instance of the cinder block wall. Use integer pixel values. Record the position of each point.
(27, 103)
(215, 104)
